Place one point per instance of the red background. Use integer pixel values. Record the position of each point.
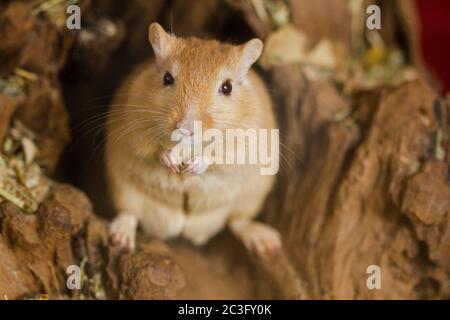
(435, 18)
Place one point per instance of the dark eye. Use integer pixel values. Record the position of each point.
(168, 79)
(226, 88)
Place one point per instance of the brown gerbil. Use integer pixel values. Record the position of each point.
(189, 80)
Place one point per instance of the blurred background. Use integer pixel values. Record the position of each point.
(435, 36)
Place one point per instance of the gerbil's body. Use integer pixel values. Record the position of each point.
(188, 81)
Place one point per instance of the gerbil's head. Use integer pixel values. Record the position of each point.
(199, 80)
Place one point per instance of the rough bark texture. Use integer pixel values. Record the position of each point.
(364, 179)
(368, 195)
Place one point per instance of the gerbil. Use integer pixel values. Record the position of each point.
(189, 80)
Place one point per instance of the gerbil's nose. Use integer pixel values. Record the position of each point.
(186, 132)
(186, 127)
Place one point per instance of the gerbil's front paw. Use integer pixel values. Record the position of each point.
(259, 239)
(171, 161)
(195, 166)
(122, 231)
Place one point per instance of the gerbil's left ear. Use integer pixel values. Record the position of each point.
(160, 40)
(250, 53)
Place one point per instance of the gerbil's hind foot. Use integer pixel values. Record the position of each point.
(259, 239)
(122, 231)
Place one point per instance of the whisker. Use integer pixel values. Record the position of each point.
(99, 117)
(128, 129)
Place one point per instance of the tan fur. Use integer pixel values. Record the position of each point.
(145, 113)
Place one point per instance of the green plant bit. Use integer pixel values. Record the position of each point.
(26, 74)
(49, 4)
(13, 192)
(13, 85)
(439, 153)
(5, 194)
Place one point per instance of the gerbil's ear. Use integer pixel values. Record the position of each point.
(160, 40)
(250, 53)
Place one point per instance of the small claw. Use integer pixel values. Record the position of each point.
(171, 162)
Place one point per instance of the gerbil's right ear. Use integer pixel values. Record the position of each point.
(249, 52)
(160, 40)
